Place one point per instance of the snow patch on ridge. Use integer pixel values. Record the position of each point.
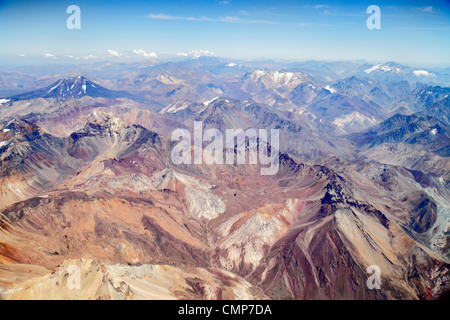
(384, 68)
(56, 86)
(332, 90)
(175, 107)
(208, 102)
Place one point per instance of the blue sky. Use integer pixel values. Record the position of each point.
(414, 32)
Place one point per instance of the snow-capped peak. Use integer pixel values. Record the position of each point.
(276, 78)
(208, 102)
(332, 90)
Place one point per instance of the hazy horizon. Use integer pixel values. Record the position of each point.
(412, 32)
(38, 62)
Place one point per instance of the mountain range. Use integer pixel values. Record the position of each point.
(88, 181)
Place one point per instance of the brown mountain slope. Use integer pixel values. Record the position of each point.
(308, 232)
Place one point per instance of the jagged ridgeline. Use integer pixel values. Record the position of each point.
(89, 188)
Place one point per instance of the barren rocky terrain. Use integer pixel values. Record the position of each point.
(87, 182)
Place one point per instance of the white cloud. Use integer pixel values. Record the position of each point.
(88, 57)
(262, 22)
(164, 17)
(197, 54)
(428, 9)
(317, 6)
(50, 56)
(113, 53)
(145, 54)
(233, 19)
(21, 54)
(227, 19)
(425, 73)
(129, 54)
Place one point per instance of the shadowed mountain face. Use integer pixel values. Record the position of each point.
(418, 141)
(297, 137)
(304, 233)
(34, 161)
(87, 181)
